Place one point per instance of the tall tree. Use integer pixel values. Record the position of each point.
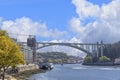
(3, 33)
(10, 54)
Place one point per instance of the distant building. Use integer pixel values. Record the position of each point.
(73, 60)
(117, 61)
(27, 51)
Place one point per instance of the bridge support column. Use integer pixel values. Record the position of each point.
(97, 49)
(31, 42)
(101, 48)
(93, 51)
(34, 54)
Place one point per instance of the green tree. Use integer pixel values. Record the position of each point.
(10, 54)
(3, 33)
(88, 59)
(104, 59)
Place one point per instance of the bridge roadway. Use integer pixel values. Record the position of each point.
(64, 43)
(67, 43)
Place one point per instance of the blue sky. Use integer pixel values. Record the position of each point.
(55, 14)
(100, 2)
(75, 21)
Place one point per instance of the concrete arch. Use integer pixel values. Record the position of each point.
(73, 46)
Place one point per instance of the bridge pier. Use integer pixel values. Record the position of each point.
(31, 42)
(97, 49)
(34, 54)
(101, 48)
(93, 50)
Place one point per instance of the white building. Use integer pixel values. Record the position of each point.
(117, 61)
(27, 53)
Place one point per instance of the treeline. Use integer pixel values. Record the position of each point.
(110, 53)
(112, 50)
(55, 57)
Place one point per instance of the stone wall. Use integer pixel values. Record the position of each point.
(22, 68)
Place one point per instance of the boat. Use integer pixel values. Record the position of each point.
(46, 66)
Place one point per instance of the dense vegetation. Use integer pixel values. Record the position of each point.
(112, 50)
(10, 54)
(88, 59)
(110, 53)
(55, 57)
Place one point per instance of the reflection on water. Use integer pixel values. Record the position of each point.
(80, 72)
(98, 67)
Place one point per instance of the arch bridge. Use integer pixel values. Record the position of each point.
(89, 48)
(93, 49)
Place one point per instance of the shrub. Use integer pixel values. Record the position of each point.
(104, 59)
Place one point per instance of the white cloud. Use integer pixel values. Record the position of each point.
(75, 40)
(76, 25)
(85, 8)
(72, 40)
(106, 25)
(26, 26)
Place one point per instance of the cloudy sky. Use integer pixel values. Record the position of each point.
(62, 20)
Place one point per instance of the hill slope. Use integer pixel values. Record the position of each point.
(57, 57)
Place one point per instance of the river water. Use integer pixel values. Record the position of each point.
(80, 72)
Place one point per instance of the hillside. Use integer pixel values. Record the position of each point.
(57, 57)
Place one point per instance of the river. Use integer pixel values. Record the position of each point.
(80, 72)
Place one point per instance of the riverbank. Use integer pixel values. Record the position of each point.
(100, 64)
(26, 74)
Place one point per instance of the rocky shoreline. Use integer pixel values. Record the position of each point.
(26, 74)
